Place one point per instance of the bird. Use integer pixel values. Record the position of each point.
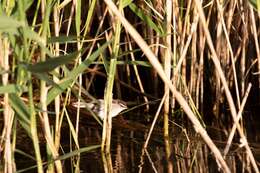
(98, 107)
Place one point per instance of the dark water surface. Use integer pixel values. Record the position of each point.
(189, 152)
(193, 156)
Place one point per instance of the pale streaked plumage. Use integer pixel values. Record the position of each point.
(98, 107)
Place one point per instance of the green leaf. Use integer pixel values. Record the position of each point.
(10, 25)
(52, 63)
(65, 156)
(79, 151)
(24, 154)
(54, 92)
(85, 64)
(30, 34)
(45, 77)
(78, 17)
(25, 6)
(105, 63)
(125, 3)
(145, 18)
(255, 4)
(62, 39)
(72, 130)
(12, 88)
(141, 63)
(21, 110)
(72, 76)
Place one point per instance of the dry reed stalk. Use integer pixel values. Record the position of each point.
(175, 42)
(220, 42)
(154, 121)
(108, 94)
(230, 15)
(239, 116)
(7, 111)
(201, 69)
(184, 52)
(220, 9)
(107, 162)
(151, 161)
(56, 21)
(44, 92)
(256, 37)
(184, 31)
(185, 48)
(158, 10)
(167, 69)
(72, 9)
(154, 73)
(224, 82)
(155, 63)
(243, 50)
(193, 65)
(138, 78)
(76, 5)
(89, 82)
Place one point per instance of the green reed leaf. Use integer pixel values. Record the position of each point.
(125, 3)
(10, 25)
(21, 110)
(65, 156)
(52, 63)
(12, 88)
(45, 77)
(255, 4)
(72, 76)
(55, 91)
(145, 18)
(62, 39)
(79, 151)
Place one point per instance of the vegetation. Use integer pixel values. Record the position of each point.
(205, 56)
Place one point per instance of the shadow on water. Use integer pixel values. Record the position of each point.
(189, 152)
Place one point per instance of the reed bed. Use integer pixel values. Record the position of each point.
(202, 60)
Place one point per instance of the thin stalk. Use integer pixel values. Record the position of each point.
(154, 121)
(224, 82)
(92, 47)
(200, 80)
(167, 69)
(72, 9)
(34, 133)
(77, 4)
(79, 47)
(138, 78)
(108, 96)
(219, 42)
(44, 89)
(8, 113)
(256, 37)
(56, 15)
(156, 64)
(175, 52)
(220, 8)
(239, 116)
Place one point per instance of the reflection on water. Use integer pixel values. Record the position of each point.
(128, 155)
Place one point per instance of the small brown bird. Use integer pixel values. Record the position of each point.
(98, 107)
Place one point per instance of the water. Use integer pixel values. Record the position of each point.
(188, 152)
